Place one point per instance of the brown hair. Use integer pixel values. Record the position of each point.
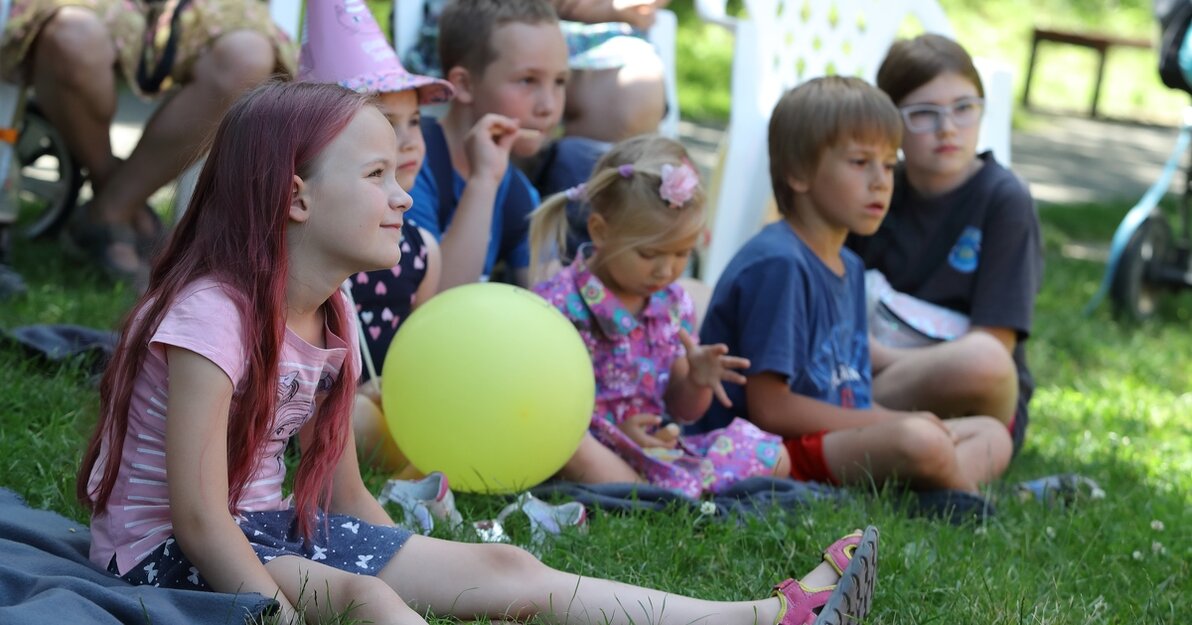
(466, 29)
(625, 191)
(821, 113)
(912, 63)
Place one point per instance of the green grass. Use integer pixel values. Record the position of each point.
(1112, 404)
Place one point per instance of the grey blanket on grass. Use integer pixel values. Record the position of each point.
(46, 577)
(757, 495)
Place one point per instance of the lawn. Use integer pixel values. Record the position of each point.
(1112, 404)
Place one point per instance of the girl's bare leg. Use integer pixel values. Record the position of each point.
(325, 592)
(471, 581)
(593, 463)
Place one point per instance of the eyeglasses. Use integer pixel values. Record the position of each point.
(922, 118)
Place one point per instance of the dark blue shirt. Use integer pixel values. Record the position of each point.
(781, 307)
(434, 206)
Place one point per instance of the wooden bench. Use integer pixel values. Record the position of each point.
(1098, 42)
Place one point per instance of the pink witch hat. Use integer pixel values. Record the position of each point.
(343, 44)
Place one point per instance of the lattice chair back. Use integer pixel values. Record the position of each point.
(808, 38)
(780, 44)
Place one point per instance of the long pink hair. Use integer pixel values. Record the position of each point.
(234, 233)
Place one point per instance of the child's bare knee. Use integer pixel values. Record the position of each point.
(997, 438)
(984, 371)
(510, 561)
(982, 347)
(926, 450)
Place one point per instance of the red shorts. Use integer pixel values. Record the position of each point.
(807, 458)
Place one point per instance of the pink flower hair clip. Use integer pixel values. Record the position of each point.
(678, 184)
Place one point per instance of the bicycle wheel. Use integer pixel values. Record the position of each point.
(50, 178)
(1136, 289)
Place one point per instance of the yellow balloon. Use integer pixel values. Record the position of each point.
(489, 384)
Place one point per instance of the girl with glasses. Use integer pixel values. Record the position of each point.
(962, 236)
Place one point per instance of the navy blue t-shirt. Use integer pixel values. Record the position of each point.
(994, 267)
(781, 307)
(433, 208)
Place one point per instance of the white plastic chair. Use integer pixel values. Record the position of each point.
(785, 42)
(407, 21)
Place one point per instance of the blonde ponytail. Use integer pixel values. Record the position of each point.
(548, 235)
(548, 222)
(630, 191)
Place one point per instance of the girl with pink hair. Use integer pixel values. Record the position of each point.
(244, 340)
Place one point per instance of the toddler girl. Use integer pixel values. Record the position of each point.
(621, 293)
(243, 341)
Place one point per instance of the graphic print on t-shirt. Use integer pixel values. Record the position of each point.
(967, 251)
(837, 369)
(292, 411)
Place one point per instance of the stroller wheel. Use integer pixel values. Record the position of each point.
(1136, 286)
(50, 177)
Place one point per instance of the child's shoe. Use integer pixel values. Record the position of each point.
(544, 519)
(855, 558)
(1063, 489)
(423, 501)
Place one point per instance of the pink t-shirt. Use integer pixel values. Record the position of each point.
(204, 320)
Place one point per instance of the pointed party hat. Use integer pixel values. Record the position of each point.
(343, 44)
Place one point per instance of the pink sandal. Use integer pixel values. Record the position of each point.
(840, 553)
(855, 558)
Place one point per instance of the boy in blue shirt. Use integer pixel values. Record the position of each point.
(507, 60)
(792, 302)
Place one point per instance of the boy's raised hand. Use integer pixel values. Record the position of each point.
(640, 428)
(710, 365)
(488, 144)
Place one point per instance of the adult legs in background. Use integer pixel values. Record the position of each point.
(615, 104)
(72, 71)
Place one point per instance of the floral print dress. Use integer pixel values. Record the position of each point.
(632, 357)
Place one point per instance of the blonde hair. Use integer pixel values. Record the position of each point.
(625, 190)
(821, 113)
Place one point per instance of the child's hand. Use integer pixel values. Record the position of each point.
(637, 427)
(710, 365)
(926, 416)
(488, 143)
